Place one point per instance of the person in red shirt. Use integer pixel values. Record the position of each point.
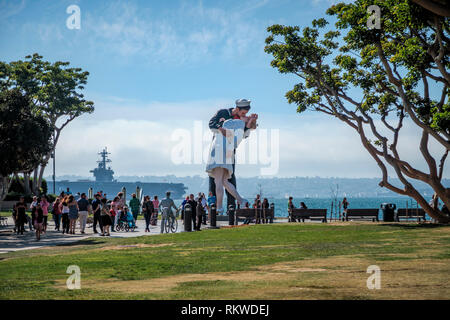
(57, 213)
(155, 213)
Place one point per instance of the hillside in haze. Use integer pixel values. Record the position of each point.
(313, 187)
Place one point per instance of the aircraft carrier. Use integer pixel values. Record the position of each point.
(105, 182)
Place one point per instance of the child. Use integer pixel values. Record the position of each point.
(106, 218)
(38, 220)
(129, 217)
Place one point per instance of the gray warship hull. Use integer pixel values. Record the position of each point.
(159, 189)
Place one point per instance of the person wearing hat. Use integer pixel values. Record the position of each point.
(216, 125)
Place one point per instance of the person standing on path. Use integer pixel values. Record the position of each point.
(135, 206)
(83, 204)
(265, 207)
(345, 206)
(96, 209)
(211, 201)
(166, 203)
(73, 214)
(106, 218)
(155, 214)
(44, 205)
(291, 208)
(57, 213)
(65, 215)
(257, 206)
(116, 206)
(182, 208)
(193, 205)
(21, 218)
(147, 209)
(200, 212)
(33, 207)
(38, 221)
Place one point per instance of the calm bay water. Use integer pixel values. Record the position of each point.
(355, 203)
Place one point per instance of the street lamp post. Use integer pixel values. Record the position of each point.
(54, 170)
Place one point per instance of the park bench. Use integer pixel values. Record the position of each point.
(407, 214)
(253, 213)
(371, 214)
(311, 214)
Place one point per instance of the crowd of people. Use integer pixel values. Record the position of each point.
(68, 209)
(108, 215)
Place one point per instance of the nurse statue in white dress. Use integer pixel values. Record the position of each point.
(221, 156)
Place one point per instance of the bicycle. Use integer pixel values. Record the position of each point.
(171, 222)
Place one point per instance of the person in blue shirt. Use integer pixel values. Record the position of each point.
(182, 207)
(211, 201)
(129, 217)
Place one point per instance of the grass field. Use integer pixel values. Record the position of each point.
(279, 261)
(5, 213)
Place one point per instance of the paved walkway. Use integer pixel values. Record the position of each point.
(9, 241)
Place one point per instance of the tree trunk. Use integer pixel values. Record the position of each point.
(41, 173)
(26, 183)
(434, 213)
(34, 188)
(4, 186)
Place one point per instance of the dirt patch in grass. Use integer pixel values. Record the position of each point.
(238, 226)
(168, 283)
(340, 277)
(132, 246)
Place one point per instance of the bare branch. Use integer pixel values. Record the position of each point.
(441, 165)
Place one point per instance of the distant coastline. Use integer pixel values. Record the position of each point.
(305, 187)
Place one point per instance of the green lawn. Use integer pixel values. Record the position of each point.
(279, 261)
(5, 213)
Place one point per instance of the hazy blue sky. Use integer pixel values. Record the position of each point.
(157, 66)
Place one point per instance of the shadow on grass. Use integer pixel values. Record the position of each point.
(413, 226)
(85, 242)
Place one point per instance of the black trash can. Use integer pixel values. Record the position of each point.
(388, 211)
(231, 215)
(187, 217)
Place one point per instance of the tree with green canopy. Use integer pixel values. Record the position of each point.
(372, 73)
(55, 91)
(25, 137)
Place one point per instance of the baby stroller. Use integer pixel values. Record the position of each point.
(126, 222)
(154, 218)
